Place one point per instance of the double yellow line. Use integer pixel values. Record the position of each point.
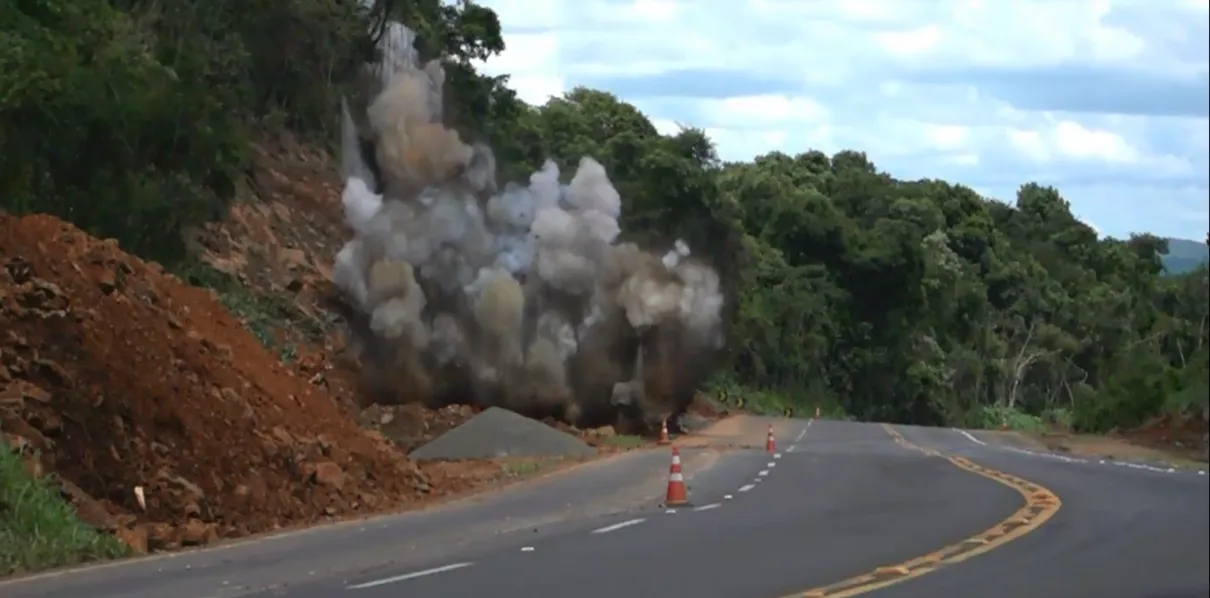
(1040, 505)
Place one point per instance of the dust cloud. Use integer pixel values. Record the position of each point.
(518, 295)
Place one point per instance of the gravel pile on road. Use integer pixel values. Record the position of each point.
(115, 375)
(499, 433)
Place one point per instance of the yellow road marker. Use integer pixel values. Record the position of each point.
(1040, 505)
(895, 570)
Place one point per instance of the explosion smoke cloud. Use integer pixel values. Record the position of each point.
(520, 296)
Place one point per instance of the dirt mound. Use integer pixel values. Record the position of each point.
(1184, 434)
(703, 406)
(411, 426)
(121, 376)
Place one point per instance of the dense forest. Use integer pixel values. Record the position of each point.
(912, 301)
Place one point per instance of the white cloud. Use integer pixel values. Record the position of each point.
(918, 41)
(1030, 144)
(1070, 139)
(947, 137)
(1106, 100)
(1074, 140)
(757, 111)
(531, 62)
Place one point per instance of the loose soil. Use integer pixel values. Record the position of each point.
(1177, 441)
(115, 376)
(279, 244)
(1182, 437)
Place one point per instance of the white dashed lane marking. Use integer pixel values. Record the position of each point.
(617, 526)
(1066, 459)
(762, 474)
(405, 577)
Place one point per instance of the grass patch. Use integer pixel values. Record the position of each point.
(528, 467)
(38, 530)
(995, 417)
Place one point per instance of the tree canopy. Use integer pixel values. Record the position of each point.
(911, 301)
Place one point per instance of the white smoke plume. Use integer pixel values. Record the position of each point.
(520, 296)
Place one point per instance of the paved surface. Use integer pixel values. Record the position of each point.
(841, 508)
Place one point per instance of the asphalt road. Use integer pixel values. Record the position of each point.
(889, 509)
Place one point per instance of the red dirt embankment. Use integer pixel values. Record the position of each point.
(121, 376)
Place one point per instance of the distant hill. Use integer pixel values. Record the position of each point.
(1185, 255)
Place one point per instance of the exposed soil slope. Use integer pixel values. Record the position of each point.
(121, 376)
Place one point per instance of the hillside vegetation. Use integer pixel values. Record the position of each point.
(912, 301)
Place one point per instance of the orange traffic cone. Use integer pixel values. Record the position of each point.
(816, 412)
(676, 483)
(769, 444)
(664, 433)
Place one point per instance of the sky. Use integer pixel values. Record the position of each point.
(1108, 101)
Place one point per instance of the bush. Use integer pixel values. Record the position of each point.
(37, 529)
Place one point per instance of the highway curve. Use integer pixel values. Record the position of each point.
(841, 509)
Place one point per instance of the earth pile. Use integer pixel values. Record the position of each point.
(115, 376)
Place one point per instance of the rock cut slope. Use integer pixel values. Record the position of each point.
(118, 376)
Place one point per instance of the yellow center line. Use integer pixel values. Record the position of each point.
(1040, 505)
